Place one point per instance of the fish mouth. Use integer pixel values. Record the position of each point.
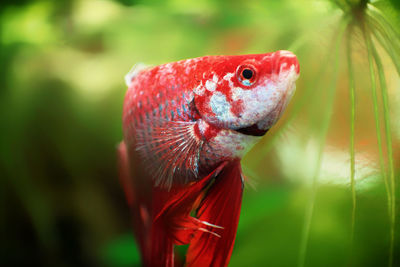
(252, 130)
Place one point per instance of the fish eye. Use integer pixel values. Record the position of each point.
(246, 74)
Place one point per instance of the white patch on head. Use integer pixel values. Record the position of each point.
(264, 103)
(285, 88)
(287, 80)
(221, 107)
(228, 77)
(211, 85)
(256, 101)
(199, 90)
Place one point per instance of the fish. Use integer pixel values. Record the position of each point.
(186, 126)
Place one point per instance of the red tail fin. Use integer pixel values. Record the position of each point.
(161, 218)
(221, 206)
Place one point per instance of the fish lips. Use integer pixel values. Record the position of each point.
(252, 130)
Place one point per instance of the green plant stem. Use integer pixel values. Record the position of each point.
(389, 189)
(388, 46)
(386, 40)
(322, 139)
(380, 18)
(377, 125)
(386, 116)
(352, 131)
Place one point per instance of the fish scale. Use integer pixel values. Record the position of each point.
(186, 126)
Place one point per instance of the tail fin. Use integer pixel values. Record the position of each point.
(161, 218)
(220, 206)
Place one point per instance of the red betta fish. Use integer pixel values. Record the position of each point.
(186, 126)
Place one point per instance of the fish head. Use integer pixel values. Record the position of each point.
(246, 93)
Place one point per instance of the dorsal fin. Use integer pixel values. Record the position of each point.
(138, 67)
(170, 150)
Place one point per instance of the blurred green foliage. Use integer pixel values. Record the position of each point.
(62, 88)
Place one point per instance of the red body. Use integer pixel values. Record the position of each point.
(186, 125)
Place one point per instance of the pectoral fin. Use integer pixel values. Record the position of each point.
(170, 150)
